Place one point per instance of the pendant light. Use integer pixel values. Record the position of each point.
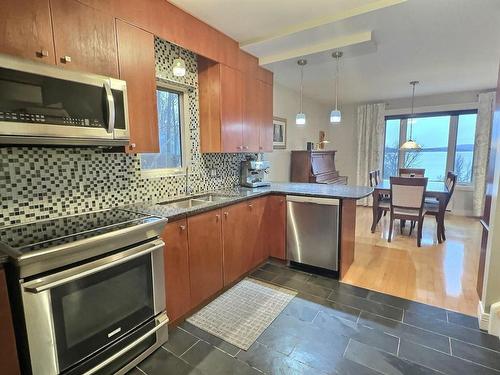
(179, 67)
(410, 144)
(336, 115)
(300, 119)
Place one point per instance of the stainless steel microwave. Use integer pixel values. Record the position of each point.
(43, 104)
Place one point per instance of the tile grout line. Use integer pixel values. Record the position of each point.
(185, 351)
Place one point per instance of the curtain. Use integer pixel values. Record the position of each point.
(485, 111)
(371, 127)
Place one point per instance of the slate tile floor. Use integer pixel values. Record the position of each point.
(334, 328)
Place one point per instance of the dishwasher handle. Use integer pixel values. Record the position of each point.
(313, 200)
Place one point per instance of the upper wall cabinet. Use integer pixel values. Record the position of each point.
(84, 38)
(221, 107)
(266, 116)
(235, 108)
(25, 30)
(137, 67)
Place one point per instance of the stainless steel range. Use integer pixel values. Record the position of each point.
(90, 291)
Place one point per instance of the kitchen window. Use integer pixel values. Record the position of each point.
(171, 133)
(447, 140)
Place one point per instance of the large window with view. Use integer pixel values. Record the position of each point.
(171, 155)
(446, 140)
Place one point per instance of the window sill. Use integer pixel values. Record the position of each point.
(464, 187)
(159, 173)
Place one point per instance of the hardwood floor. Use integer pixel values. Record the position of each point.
(442, 275)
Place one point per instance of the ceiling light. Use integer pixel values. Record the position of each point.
(179, 67)
(336, 115)
(300, 119)
(410, 144)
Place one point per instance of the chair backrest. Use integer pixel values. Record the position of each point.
(411, 172)
(377, 176)
(451, 181)
(372, 176)
(408, 192)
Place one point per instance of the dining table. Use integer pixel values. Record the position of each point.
(435, 189)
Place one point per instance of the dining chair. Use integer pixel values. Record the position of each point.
(407, 202)
(372, 177)
(411, 172)
(432, 205)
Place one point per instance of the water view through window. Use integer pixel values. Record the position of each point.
(447, 142)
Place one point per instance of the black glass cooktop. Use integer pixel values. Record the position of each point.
(43, 234)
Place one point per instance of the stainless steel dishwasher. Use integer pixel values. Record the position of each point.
(312, 234)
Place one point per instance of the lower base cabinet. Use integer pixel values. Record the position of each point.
(205, 255)
(8, 359)
(274, 227)
(241, 229)
(177, 286)
(209, 251)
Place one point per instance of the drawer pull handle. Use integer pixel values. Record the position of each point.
(42, 53)
(66, 59)
(183, 227)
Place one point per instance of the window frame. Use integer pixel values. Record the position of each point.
(183, 93)
(452, 138)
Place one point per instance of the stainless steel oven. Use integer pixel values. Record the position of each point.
(43, 104)
(88, 291)
(114, 305)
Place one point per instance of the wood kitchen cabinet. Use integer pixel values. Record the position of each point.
(235, 109)
(136, 57)
(9, 363)
(252, 104)
(221, 107)
(266, 126)
(84, 38)
(205, 255)
(241, 229)
(274, 227)
(177, 285)
(25, 30)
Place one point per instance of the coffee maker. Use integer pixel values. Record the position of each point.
(253, 171)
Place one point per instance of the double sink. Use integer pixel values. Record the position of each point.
(198, 200)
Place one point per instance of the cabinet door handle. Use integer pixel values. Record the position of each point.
(250, 205)
(217, 217)
(182, 227)
(132, 146)
(239, 147)
(42, 53)
(226, 214)
(245, 147)
(66, 59)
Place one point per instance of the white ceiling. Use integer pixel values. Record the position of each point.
(449, 45)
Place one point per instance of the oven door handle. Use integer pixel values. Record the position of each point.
(161, 320)
(111, 107)
(91, 268)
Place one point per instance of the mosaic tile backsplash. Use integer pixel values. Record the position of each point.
(40, 182)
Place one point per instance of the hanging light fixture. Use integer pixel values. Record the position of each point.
(300, 119)
(336, 115)
(179, 67)
(410, 144)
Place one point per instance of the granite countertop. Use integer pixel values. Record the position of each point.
(172, 213)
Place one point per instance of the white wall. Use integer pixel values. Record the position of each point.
(286, 105)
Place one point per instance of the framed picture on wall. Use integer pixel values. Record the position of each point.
(279, 133)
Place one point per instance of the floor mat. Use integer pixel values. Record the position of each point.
(242, 313)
